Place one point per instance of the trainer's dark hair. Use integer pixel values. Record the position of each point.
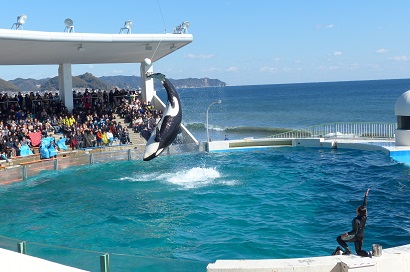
(362, 210)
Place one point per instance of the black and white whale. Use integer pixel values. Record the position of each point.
(169, 126)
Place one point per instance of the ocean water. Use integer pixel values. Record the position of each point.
(281, 202)
(257, 111)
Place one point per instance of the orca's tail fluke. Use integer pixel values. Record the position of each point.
(156, 75)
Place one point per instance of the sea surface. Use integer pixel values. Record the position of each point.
(258, 111)
(281, 202)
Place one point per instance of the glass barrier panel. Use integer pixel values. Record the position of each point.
(112, 156)
(144, 264)
(78, 160)
(11, 175)
(82, 259)
(36, 167)
(9, 243)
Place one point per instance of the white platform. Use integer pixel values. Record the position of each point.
(11, 261)
(395, 259)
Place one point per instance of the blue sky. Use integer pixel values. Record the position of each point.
(240, 42)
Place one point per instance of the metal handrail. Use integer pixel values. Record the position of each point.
(343, 130)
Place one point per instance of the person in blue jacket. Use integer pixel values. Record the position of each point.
(356, 235)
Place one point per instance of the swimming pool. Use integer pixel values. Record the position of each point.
(196, 208)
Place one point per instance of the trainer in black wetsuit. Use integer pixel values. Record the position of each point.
(356, 235)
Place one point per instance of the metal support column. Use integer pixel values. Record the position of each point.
(22, 247)
(105, 262)
(24, 172)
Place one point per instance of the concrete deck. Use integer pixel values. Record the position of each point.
(395, 259)
(11, 261)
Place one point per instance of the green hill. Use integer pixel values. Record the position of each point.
(28, 85)
(82, 81)
(87, 80)
(8, 87)
(122, 82)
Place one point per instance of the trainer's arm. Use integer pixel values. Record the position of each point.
(365, 198)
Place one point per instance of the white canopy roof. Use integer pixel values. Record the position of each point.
(23, 47)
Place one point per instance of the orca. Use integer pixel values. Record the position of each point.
(169, 126)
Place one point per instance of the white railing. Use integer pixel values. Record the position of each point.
(343, 130)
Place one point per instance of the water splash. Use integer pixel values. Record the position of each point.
(192, 178)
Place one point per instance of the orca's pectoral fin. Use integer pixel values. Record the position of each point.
(156, 75)
(145, 134)
(157, 135)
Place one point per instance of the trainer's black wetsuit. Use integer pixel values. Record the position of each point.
(358, 225)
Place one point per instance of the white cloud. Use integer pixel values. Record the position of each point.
(400, 58)
(117, 72)
(381, 51)
(271, 70)
(232, 69)
(200, 56)
(325, 26)
(329, 68)
(337, 53)
(374, 66)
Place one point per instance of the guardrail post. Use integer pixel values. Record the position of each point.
(22, 247)
(24, 172)
(55, 164)
(91, 158)
(105, 262)
(129, 154)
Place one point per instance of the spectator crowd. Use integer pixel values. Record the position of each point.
(27, 119)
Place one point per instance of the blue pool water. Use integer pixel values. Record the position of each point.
(273, 203)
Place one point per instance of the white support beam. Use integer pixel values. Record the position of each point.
(148, 90)
(65, 81)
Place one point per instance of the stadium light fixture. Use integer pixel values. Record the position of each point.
(182, 28)
(69, 25)
(148, 47)
(207, 132)
(20, 21)
(127, 27)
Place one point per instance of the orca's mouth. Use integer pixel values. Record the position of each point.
(150, 157)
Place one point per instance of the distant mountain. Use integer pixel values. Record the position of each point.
(197, 82)
(82, 81)
(134, 82)
(122, 82)
(28, 84)
(87, 80)
(8, 87)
